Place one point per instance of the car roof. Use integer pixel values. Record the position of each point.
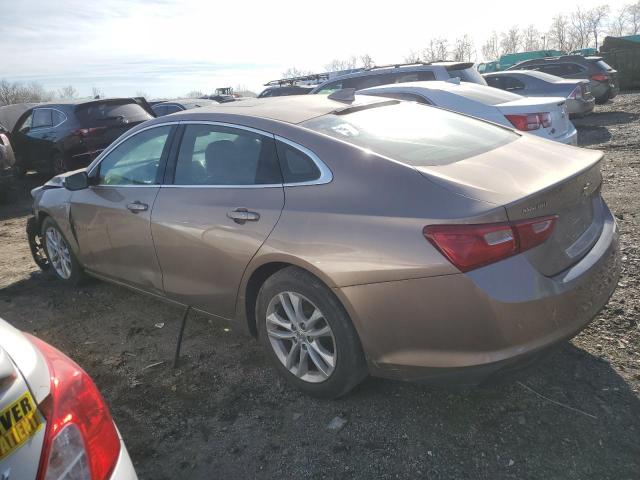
(290, 109)
(546, 77)
(441, 85)
(189, 102)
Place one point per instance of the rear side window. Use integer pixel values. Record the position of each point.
(113, 112)
(42, 118)
(603, 65)
(217, 155)
(296, 166)
(512, 83)
(159, 110)
(173, 109)
(414, 134)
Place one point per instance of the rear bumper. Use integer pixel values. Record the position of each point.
(569, 138)
(580, 108)
(124, 467)
(461, 328)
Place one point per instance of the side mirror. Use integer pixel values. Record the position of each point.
(76, 181)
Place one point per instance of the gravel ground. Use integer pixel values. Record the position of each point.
(224, 413)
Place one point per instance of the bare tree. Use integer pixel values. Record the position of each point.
(17, 92)
(68, 92)
(97, 92)
(141, 93)
(531, 39)
(194, 94)
(511, 40)
(463, 49)
(243, 91)
(367, 61)
(559, 36)
(633, 17)
(596, 18)
(618, 23)
(336, 64)
(438, 49)
(491, 48)
(580, 31)
(413, 57)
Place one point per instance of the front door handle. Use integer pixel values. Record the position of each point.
(242, 215)
(137, 207)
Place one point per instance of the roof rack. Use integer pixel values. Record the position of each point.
(294, 80)
(397, 65)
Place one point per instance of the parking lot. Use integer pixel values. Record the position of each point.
(224, 413)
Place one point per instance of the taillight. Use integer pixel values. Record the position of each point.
(599, 77)
(576, 93)
(87, 132)
(530, 121)
(81, 441)
(473, 246)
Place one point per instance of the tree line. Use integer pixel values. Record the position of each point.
(582, 28)
(34, 92)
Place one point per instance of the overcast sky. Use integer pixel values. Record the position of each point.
(169, 47)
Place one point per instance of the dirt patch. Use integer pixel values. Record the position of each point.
(224, 413)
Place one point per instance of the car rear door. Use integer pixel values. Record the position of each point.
(111, 218)
(223, 198)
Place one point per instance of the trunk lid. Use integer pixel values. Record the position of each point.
(555, 106)
(531, 179)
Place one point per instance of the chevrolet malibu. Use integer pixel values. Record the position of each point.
(350, 234)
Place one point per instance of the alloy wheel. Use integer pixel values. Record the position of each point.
(301, 337)
(59, 253)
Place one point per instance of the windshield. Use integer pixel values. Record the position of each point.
(123, 111)
(415, 134)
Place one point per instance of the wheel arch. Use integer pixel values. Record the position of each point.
(255, 276)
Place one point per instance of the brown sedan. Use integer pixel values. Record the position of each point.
(352, 237)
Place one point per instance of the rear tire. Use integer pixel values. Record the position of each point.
(62, 260)
(327, 360)
(604, 98)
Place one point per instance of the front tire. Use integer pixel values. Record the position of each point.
(58, 164)
(62, 260)
(309, 335)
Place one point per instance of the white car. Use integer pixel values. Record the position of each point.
(544, 117)
(54, 423)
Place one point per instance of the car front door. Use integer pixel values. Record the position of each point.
(225, 197)
(111, 218)
(19, 140)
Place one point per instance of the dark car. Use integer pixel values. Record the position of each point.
(172, 106)
(603, 78)
(281, 91)
(533, 83)
(59, 136)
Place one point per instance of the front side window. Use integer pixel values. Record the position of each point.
(136, 160)
(42, 118)
(219, 155)
(418, 135)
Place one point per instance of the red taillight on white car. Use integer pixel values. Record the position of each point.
(81, 441)
(473, 246)
(576, 93)
(600, 77)
(530, 121)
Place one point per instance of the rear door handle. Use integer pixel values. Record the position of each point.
(242, 215)
(137, 207)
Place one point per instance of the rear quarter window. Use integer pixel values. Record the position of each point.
(414, 134)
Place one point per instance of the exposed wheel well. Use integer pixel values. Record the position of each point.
(253, 287)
